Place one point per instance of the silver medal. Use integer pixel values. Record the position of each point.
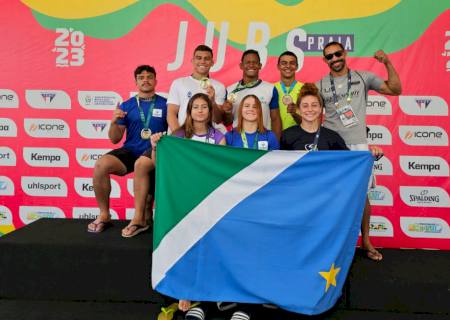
(146, 134)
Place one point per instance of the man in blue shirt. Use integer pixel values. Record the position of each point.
(138, 118)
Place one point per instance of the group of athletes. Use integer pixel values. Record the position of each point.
(251, 113)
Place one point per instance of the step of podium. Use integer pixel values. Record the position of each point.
(56, 261)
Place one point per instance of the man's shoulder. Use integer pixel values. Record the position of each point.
(232, 86)
(266, 84)
(160, 99)
(217, 83)
(129, 102)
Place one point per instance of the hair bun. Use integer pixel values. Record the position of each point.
(309, 89)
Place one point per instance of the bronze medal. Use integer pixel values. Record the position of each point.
(287, 99)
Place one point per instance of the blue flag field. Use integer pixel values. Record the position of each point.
(255, 226)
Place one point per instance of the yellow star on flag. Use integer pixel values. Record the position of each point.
(330, 276)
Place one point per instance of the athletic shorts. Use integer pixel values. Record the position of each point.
(126, 157)
(364, 147)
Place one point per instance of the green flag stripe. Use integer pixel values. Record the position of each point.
(216, 205)
(183, 179)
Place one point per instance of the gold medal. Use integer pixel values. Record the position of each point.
(287, 99)
(232, 97)
(146, 134)
(204, 83)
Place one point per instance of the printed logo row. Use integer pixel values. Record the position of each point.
(414, 196)
(414, 227)
(58, 158)
(107, 100)
(98, 129)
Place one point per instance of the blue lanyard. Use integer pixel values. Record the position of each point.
(291, 87)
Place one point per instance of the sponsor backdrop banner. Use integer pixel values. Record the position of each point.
(64, 68)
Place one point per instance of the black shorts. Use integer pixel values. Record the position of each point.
(126, 157)
(148, 154)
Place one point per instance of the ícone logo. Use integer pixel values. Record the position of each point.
(8, 99)
(46, 128)
(378, 105)
(87, 157)
(423, 135)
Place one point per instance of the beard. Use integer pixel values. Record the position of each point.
(336, 67)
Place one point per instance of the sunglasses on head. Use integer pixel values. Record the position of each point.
(338, 54)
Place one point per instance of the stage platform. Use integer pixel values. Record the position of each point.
(54, 269)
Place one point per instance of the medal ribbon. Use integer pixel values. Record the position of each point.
(240, 86)
(245, 142)
(333, 88)
(146, 121)
(291, 87)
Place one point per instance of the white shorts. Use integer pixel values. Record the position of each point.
(364, 147)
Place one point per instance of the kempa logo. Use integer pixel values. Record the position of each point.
(98, 100)
(379, 135)
(383, 167)
(7, 157)
(380, 227)
(378, 105)
(46, 157)
(424, 166)
(423, 135)
(6, 186)
(48, 99)
(423, 105)
(44, 186)
(5, 216)
(424, 196)
(8, 128)
(85, 188)
(46, 128)
(87, 157)
(93, 129)
(29, 214)
(380, 196)
(421, 227)
(90, 213)
(8, 99)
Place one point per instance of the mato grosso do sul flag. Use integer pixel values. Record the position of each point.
(254, 226)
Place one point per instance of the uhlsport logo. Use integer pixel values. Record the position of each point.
(423, 105)
(378, 105)
(93, 129)
(44, 186)
(380, 196)
(424, 166)
(7, 157)
(85, 188)
(29, 214)
(6, 186)
(423, 227)
(46, 128)
(98, 100)
(421, 196)
(423, 135)
(87, 157)
(8, 99)
(46, 157)
(383, 167)
(380, 227)
(8, 128)
(48, 99)
(91, 213)
(379, 135)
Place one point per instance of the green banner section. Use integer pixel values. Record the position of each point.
(203, 167)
